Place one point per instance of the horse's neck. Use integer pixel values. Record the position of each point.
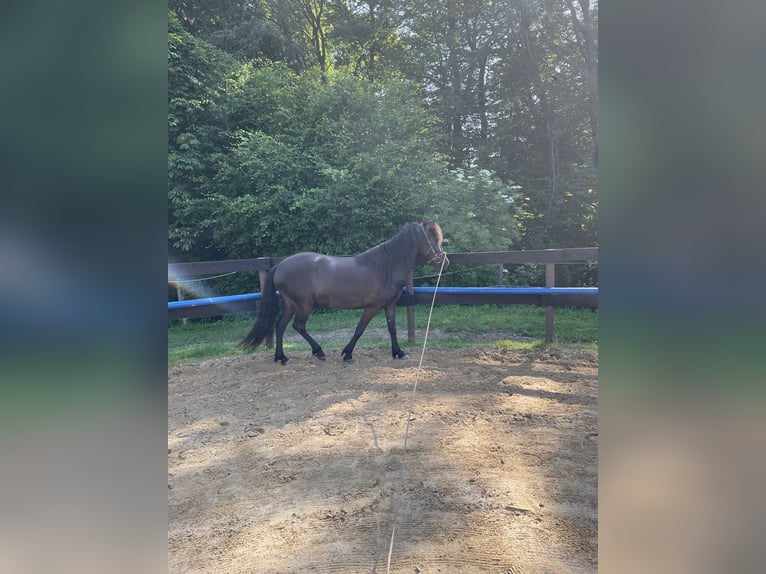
(396, 255)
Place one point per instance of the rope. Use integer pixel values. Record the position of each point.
(409, 408)
(206, 278)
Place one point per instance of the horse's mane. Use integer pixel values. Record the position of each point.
(400, 243)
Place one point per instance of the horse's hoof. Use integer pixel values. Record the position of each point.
(347, 360)
(283, 360)
(320, 356)
(403, 356)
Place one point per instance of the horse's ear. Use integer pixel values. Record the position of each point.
(435, 229)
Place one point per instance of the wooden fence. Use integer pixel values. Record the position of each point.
(549, 257)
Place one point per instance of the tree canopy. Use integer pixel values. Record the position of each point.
(328, 124)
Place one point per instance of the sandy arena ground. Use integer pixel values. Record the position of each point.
(302, 468)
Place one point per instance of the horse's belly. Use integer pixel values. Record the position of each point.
(345, 287)
(346, 297)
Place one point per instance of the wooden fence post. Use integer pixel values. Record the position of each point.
(550, 281)
(410, 311)
(500, 268)
(180, 295)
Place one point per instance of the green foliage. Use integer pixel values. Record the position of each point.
(248, 29)
(478, 209)
(478, 213)
(478, 114)
(366, 39)
(325, 163)
(196, 77)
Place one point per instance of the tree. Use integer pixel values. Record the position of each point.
(585, 25)
(365, 38)
(544, 127)
(265, 30)
(478, 213)
(327, 124)
(314, 12)
(196, 75)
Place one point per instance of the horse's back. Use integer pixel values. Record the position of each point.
(329, 281)
(296, 268)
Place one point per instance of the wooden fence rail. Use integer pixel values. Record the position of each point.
(550, 257)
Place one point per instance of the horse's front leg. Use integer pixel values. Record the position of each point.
(396, 350)
(368, 314)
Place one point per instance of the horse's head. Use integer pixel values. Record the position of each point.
(432, 249)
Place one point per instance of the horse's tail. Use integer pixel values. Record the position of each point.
(263, 330)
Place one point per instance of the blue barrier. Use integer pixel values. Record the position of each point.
(213, 301)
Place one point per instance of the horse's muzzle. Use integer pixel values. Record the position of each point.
(441, 257)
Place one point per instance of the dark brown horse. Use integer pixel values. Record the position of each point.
(371, 280)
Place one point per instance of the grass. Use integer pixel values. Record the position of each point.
(459, 325)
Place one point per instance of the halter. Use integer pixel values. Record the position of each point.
(432, 251)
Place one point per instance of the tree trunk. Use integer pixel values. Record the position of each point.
(313, 10)
(481, 95)
(586, 41)
(536, 80)
(455, 81)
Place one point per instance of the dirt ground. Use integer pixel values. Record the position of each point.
(303, 468)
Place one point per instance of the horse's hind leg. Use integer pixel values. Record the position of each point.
(288, 309)
(301, 317)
